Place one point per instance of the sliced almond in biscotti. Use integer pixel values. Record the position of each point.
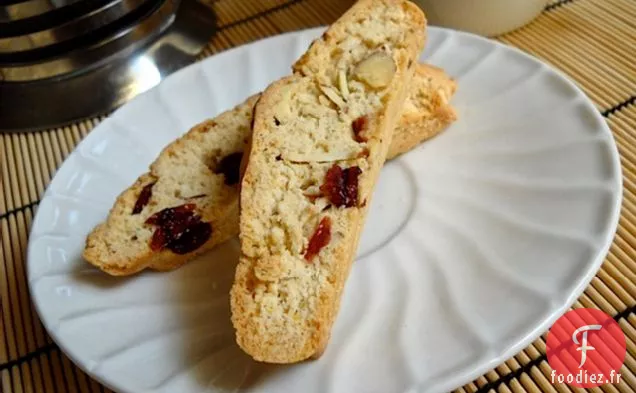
(301, 217)
(201, 168)
(185, 205)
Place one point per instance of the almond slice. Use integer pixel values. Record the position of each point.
(320, 156)
(316, 111)
(376, 71)
(342, 83)
(333, 95)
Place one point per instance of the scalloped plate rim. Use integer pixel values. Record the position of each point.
(481, 367)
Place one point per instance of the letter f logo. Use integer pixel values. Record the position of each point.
(583, 344)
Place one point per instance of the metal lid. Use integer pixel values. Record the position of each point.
(65, 60)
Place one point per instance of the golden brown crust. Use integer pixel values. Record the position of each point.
(283, 306)
(414, 126)
(110, 246)
(427, 112)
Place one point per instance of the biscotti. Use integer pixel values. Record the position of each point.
(185, 205)
(427, 111)
(200, 168)
(319, 140)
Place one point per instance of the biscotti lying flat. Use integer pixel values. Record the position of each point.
(319, 140)
(185, 205)
(427, 111)
(200, 168)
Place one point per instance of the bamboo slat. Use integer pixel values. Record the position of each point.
(591, 41)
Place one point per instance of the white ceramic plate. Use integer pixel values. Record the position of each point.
(476, 242)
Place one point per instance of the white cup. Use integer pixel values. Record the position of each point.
(483, 17)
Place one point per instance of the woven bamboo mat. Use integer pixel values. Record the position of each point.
(592, 41)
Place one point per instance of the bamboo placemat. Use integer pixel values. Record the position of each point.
(592, 41)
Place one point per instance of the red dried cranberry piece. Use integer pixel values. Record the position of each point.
(320, 238)
(230, 167)
(341, 185)
(158, 240)
(143, 198)
(351, 184)
(193, 237)
(333, 185)
(359, 125)
(179, 229)
(170, 214)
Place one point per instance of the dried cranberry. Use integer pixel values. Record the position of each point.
(143, 198)
(179, 229)
(359, 125)
(193, 237)
(230, 167)
(170, 214)
(341, 185)
(320, 238)
(158, 240)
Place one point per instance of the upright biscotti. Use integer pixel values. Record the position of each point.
(319, 139)
(201, 169)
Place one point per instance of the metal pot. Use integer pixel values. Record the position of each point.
(65, 60)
